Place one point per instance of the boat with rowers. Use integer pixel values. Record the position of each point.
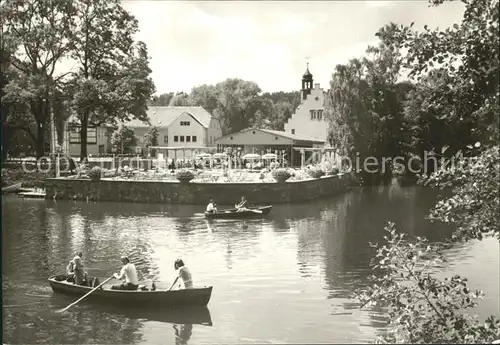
(194, 297)
(234, 213)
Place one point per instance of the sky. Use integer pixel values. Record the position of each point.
(268, 42)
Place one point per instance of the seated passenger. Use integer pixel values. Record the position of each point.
(75, 272)
(211, 207)
(184, 274)
(128, 272)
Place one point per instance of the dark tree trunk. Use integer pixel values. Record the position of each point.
(83, 136)
(40, 140)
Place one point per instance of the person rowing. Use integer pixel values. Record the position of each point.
(242, 205)
(184, 275)
(128, 272)
(212, 206)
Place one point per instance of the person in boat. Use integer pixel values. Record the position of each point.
(128, 272)
(242, 206)
(212, 206)
(184, 275)
(75, 272)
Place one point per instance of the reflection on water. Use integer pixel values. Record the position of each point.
(286, 278)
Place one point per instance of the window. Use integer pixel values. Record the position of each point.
(74, 135)
(320, 114)
(194, 138)
(182, 138)
(293, 130)
(176, 138)
(185, 123)
(165, 139)
(312, 114)
(188, 138)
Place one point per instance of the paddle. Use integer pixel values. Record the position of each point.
(97, 287)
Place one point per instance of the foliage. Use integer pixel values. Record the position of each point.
(34, 40)
(95, 173)
(184, 175)
(162, 100)
(112, 83)
(365, 109)
(464, 60)
(151, 137)
(475, 202)
(281, 175)
(124, 140)
(422, 308)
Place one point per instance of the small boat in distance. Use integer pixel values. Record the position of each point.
(196, 297)
(233, 213)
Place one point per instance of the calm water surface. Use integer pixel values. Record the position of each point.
(285, 279)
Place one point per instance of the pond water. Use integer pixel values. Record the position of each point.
(283, 279)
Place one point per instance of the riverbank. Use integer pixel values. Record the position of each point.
(14, 175)
(196, 193)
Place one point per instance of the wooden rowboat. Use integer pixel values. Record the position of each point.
(197, 297)
(12, 189)
(235, 214)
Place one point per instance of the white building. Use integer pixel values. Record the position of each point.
(179, 127)
(309, 118)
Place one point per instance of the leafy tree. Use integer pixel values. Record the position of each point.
(466, 56)
(124, 139)
(205, 96)
(162, 100)
(112, 82)
(365, 111)
(36, 36)
(179, 100)
(423, 308)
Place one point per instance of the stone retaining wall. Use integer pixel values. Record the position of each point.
(194, 193)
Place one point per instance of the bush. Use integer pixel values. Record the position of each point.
(184, 176)
(95, 173)
(281, 175)
(316, 173)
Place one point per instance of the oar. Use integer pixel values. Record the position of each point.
(97, 287)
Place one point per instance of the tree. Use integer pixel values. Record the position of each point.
(205, 96)
(112, 82)
(422, 308)
(162, 100)
(467, 55)
(124, 139)
(365, 111)
(36, 33)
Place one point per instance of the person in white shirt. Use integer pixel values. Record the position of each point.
(184, 275)
(211, 207)
(128, 272)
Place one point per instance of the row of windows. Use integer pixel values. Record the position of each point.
(188, 138)
(316, 114)
(185, 123)
(74, 135)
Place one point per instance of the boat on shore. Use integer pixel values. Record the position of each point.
(196, 297)
(13, 188)
(233, 213)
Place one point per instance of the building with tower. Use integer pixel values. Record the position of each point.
(309, 118)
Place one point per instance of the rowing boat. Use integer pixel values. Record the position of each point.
(196, 297)
(235, 214)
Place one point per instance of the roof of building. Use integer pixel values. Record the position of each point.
(308, 74)
(164, 116)
(282, 134)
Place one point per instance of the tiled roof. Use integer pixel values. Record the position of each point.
(164, 116)
(286, 135)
